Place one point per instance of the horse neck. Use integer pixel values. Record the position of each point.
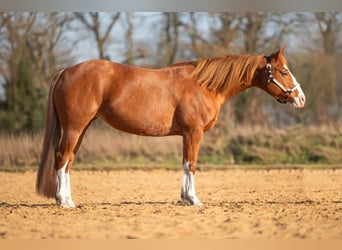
(231, 91)
(235, 87)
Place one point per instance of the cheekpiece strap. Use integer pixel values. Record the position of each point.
(268, 59)
(268, 68)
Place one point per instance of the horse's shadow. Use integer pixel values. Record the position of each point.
(118, 204)
(159, 203)
(17, 205)
(128, 203)
(142, 203)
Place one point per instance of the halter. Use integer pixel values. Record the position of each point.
(270, 78)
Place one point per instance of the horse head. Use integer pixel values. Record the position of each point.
(276, 79)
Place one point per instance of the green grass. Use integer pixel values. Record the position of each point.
(200, 167)
(115, 166)
(243, 147)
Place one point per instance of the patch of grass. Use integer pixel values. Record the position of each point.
(107, 148)
(129, 166)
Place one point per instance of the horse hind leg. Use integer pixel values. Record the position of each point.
(64, 159)
(63, 190)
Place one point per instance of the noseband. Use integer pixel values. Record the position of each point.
(270, 78)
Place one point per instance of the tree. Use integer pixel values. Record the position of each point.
(29, 103)
(320, 63)
(330, 28)
(29, 58)
(329, 24)
(223, 34)
(129, 39)
(95, 23)
(168, 45)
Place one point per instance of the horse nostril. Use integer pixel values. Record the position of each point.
(302, 99)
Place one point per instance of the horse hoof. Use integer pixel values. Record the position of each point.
(198, 203)
(191, 202)
(65, 203)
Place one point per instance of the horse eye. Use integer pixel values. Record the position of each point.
(284, 72)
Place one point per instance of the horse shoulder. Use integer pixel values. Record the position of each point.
(198, 107)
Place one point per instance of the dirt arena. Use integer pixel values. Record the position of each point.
(130, 204)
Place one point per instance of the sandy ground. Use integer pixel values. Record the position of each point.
(144, 204)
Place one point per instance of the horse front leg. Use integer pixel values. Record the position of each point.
(191, 144)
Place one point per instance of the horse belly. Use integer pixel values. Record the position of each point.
(141, 118)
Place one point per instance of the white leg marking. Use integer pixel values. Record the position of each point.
(63, 192)
(188, 192)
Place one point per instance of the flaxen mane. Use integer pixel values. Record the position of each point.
(218, 73)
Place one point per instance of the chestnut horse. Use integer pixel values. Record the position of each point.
(182, 99)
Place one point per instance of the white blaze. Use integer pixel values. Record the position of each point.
(299, 100)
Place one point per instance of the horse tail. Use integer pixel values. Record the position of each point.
(46, 177)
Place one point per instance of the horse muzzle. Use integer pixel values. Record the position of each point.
(299, 101)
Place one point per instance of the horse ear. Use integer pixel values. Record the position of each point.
(280, 52)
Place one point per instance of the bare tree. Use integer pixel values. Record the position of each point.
(223, 33)
(95, 23)
(129, 39)
(252, 31)
(40, 34)
(168, 44)
(329, 27)
(29, 58)
(44, 39)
